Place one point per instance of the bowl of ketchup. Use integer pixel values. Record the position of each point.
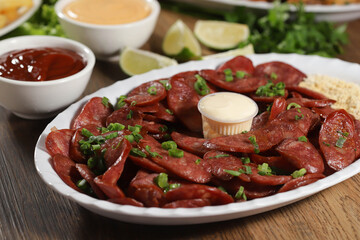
(41, 75)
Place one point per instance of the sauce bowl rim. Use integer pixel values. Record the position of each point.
(155, 11)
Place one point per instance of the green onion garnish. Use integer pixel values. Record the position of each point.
(200, 86)
(169, 145)
(152, 154)
(273, 76)
(241, 193)
(290, 105)
(240, 74)
(169, 111)
(220, 156)
(130, 114)
(271, 90)
(174, 152)
(120, 103)
(253, 142)
(299, 173)
(105, 101)
(302, 139)
(245, 160)
(152, 90)
(264, 169)
(166, 84)
(340, 142)
(137, 152)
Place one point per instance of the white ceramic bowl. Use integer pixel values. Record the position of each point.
(36, 100)
(107, 40)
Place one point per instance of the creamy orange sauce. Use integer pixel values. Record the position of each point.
(107, 12)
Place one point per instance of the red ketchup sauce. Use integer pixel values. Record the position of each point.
(40, 64)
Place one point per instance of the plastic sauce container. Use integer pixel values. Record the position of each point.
(226, 113)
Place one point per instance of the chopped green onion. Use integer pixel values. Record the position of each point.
(162, 180)
(220, 156)
(244, 132)
(169, 145)
(302, 139)
(169, 111)
(92, 162)
(299, 173)
(271, 90)
(174, 185)
(133, 103)
(84, 186)
(152, 154)
(86, 133)
(117, 145)
(197, 162)
(177, 153)
(233, 172)
(326, 144)
(264, 169)
(345, 134)
(137, 136)
(340, 142)
(105, 101)
(166, 84)
(200, 86)
(228, 71)
(245, 160)
(136, 128)
(247, 169)
(297, 117)
(152, 90)
(95, 147)
(163, 128)
(228, 75)
(130, 114)
(290, 105)
(137, 152)
(273, 76)
(111, 135)
(253, 142)
(130, 138)
(240, 74)
(241, 193)
(120, 103)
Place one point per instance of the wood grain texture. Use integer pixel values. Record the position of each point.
(31, 210)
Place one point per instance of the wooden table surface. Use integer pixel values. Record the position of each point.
(31, 210)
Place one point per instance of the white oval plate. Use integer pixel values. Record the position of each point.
(21, 19)
(308, 64)
(333, 13)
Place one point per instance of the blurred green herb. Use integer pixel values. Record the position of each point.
(43, 22)
(279, 30)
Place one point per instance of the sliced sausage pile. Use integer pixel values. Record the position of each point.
(147, 149)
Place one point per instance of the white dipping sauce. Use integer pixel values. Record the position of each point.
(228, 107)
(226, 113)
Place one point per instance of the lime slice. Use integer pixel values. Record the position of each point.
(180, 42)
(249, 49)
(135, 61)
(220, 35)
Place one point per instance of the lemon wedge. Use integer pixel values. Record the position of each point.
(136, 61)
(180, 42)
(220, 35)
(247, 50)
